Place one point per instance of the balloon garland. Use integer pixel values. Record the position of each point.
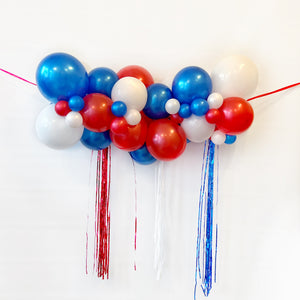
(152, 122)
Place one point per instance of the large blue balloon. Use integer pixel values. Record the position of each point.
(95, 140)
(142, 156)
(158, 95)
(60, 76)
(102, 81)
(191, 83)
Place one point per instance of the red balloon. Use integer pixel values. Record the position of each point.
(127, 137)
(236, 115)
(213, 116)
(166, 140)
(62, 108)
(96, 114)
(137, 72)
(176, 118)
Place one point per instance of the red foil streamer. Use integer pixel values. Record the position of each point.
(102, 213)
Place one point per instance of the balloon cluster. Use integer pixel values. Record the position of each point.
(147, 119)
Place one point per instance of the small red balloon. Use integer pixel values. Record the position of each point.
(236, 115)
(166, 140)
(62, 108)
(137, 72)
(213, 116)
(176, 118)
(96, 114)
(127, 137)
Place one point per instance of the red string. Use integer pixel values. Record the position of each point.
(16, 76)
(276, 91)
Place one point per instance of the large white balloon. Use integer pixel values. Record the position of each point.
(131, 91)
(53, 130)
(235, 76)
(197, 129)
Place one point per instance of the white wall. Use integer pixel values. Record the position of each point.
(44, 193)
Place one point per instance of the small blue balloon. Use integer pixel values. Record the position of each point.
(191, 83)
(230, 139)
(60, 76)
(76, 103)
(95, 140)
(184, 111)
(158, 95)
(102, 80)
(119, 108)
(142, 156)
(199, 107)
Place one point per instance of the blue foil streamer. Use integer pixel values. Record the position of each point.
(206, 232)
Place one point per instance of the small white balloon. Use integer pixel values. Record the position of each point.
(215, 100)
(131, 91)
(74, 119)
(133, 117)
(218, 137)
(235, 76)
(53, 130)
(197, 129)
(172, 106)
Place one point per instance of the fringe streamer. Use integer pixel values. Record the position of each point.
(135, 213)
(206, 249)
(159, 229)
(99, 218)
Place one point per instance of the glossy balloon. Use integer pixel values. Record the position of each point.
(131, 91)
(133, 117)
(199, 107)
(218, 137)
(74, 119)
(158, 95)
(60, 76)
(137, 72)
(197, 129)
(53, 131)
(142, 156)
(129, 138)
(97, 115)
(213, 116)
(184, 111)
(235, 76)
(230, 139)
(215, 100)
(166, 140)
(76, 103)
(62, 108)
(236, 115)
(102, 80)
(172, 106)
(119, 108)
(95, 140)
(191, 83)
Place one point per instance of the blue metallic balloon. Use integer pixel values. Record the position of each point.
(95, 140)
(191, 83)
(60, 76)
(184, 111)
(199, 107)
(142, 156)
(230, 139)
(102, 80)
(158, 95)
(76, 103)
(119, 108)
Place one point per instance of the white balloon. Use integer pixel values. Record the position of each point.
(53, 130)
(133, 117)
(235, 76)
(74, 119)
(172, 106)
(215, 100)
(218, 137)
(131, 91)
(197, 129)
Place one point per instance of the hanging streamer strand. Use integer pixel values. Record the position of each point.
(102, 220)
(207, 228)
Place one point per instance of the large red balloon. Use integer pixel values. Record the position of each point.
(166, 140)
(236, 115)
(127, 137)
(137, 72)
(96, 114)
